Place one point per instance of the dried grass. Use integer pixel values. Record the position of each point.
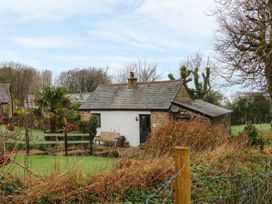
(4, 159)
(126, 175)
(197, 134)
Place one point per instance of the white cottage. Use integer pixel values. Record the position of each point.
(135, 109)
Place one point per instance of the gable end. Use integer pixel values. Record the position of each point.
(183, 94)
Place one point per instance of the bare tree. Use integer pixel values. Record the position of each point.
(83, 80)
(144, 71)
(46, 78)
(20, 76)
(244, 42)
(41, 80)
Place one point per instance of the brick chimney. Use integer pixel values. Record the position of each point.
(132, 81)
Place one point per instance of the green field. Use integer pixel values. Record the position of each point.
(236, 129)
(44, 165)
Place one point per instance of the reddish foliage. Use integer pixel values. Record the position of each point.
(197, 134)
(10, 127)
(71, 127)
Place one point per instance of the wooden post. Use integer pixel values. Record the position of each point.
(27, 141)
(66, 143)
(183, 181)
(91, 144)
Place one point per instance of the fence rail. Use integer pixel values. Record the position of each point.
(60, 135)
(64, 141)
(49, 142)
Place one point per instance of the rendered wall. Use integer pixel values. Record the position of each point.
(124, 122)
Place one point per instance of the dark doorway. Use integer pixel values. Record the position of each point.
(145, 127)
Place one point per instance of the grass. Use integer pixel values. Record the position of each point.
(236, 129)
(45, 165)
(3, 127)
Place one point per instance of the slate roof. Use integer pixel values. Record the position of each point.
(204, 107)
(78, 97)
(5, 93)
(147, 96)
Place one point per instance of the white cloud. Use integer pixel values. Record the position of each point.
(160, 25)
(136, 33)
(114, 62)
(53, 9)
(48, 42)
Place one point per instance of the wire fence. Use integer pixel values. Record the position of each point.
(237, 189)
(166, 187)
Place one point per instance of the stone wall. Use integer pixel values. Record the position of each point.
(183, 94)
(159, 118)
(221, 121)
(85, 115)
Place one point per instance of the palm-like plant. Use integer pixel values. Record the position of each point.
(52, 100)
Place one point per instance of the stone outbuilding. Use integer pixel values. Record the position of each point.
(135, 109)
(5, 101)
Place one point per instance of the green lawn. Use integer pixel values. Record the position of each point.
(45, 165)
(235, 129)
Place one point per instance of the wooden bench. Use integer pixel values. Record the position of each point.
(108, 137)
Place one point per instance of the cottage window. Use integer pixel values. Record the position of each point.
(98, 118)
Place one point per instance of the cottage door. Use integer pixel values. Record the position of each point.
(145, 127)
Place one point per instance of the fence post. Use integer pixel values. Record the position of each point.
(66, 143)
(27, 141)
(91, 144)
(183, 180)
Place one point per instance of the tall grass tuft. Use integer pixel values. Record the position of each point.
(197, 134)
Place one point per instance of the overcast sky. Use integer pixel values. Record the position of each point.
(63, 34)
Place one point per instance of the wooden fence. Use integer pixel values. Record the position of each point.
(59, 138)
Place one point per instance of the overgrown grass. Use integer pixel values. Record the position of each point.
(128, 179)
(236, 129)
(196, 134)
(44, 165)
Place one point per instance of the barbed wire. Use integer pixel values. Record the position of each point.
(225, 177)
(167, 185)
(235, 194)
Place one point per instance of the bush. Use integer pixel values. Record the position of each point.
(253, 135)
(199, 135)
(84, 126)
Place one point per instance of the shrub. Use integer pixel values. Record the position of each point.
(252, 134)
(84, 126)
(199, 135)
